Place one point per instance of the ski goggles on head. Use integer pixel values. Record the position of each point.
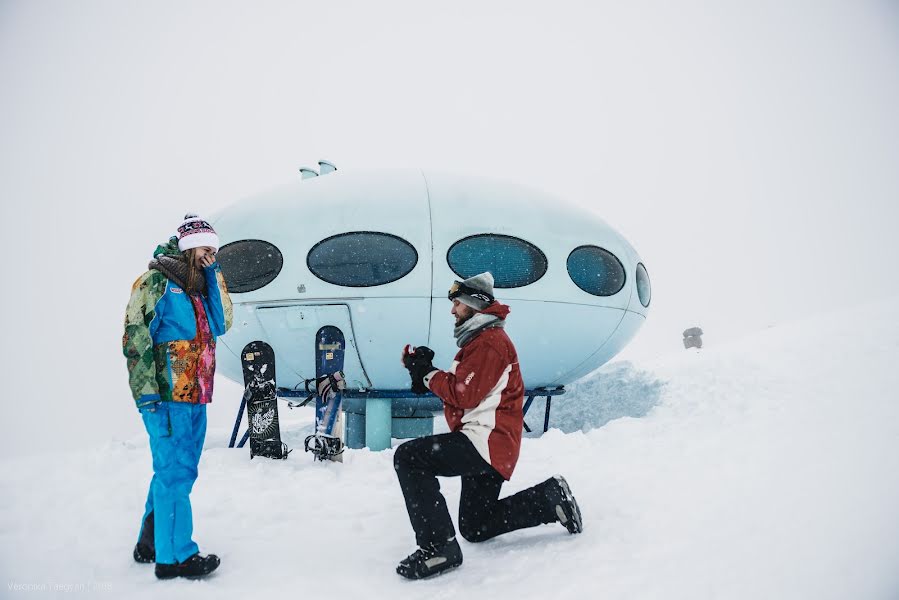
(458, 289)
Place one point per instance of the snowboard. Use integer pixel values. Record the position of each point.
(260, 396)
(327, 441)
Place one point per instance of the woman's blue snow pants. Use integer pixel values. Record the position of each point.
(177, 431)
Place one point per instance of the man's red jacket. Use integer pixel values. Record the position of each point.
(483, 394)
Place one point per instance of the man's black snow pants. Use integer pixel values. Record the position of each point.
(482, 515)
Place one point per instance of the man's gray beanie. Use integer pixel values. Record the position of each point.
(481, 294)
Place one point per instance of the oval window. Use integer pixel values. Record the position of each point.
(596, 271)
(644, 291)
(362, 259)
(512, 261)
(249, 265)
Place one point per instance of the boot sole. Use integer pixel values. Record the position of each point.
(166, 577)
(432, 575)
(186, 576)
(575, 509)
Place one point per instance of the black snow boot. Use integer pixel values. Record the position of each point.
(145, 549)
(144, 554)
(193, 567)
(562, 502)
(431, 560)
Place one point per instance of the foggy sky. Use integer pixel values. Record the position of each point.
(748, 151)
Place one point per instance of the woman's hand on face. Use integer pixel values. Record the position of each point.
(207, 260)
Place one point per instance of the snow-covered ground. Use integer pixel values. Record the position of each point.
(767, 468)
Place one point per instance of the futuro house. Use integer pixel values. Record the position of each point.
(375, 252)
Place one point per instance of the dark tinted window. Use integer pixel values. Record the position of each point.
(362, 259)
(513, 262)
(249, 264)
(596, 271)
(644, 291)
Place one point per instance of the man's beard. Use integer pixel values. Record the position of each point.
(460, 320)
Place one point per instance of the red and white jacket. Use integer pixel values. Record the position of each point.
(483, 394)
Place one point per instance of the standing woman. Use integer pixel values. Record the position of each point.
(176, 311)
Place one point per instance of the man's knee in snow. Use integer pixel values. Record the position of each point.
(472, 534)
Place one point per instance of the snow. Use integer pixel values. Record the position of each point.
(765, 468)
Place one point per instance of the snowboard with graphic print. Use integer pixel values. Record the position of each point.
(260, 396)
(327, 442)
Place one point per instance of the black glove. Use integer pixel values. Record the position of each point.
(418, 362)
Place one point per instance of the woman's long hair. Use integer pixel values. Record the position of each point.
(194, 275)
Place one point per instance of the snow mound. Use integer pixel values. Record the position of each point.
(614, 391)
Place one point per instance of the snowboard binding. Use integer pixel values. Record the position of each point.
(331, 384)
(325, 387)
(324, 447)
(272, 449)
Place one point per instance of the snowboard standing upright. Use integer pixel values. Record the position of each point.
(327, 442)
(260, 395)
